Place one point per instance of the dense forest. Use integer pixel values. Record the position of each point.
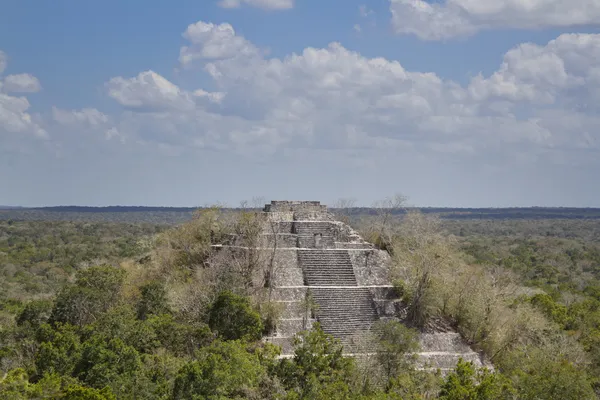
(176, 215)
(126, 305)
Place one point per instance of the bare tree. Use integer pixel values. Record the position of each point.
(420, 251)
(342, 209)
(382, 229)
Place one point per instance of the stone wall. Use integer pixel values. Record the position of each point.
(284, 240)
(345, 306)
(295, 206)
(371, 267)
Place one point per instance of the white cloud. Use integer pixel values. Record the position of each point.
(334, 98)
(264, 4)
(21, 83)
(148, 92)
(212, 97)
(3, 61)
(565, 71)
(452, 18)
(87, 116)
(113, 133)
(213, 42)
(14, 117)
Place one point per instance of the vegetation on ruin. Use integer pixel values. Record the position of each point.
(97, 310)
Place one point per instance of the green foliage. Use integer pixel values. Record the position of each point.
(107, 363)
(395, 348)
(412, 384)
(181, 339)
(318, 369)
(554, 311)
(222, 370)
(554, 380)
(103, 278)
(232, 318)
(188, 245)
(402, 291)
(77, 392)
(109, 336)
(59, 350)
(38, 257)
(34, 314)
(94, 292)
(153, 300)
(120, 322)
(16, 386)
(468, 383)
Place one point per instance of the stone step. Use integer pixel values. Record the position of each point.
(331, 270)
(309, 241)
(321, 253)
(289, 327)
(448, 342)
(340, 316)
(327, 267)
(445, 360)
(289, 294)
(286, 343)
(291, 309)
(311, 228)
(343, 312)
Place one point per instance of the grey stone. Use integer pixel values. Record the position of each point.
(347, 278)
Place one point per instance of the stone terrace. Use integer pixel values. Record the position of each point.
(347, 279)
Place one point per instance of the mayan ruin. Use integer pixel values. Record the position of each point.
(323, 271)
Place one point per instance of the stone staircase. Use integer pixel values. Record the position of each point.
(442, 350)
(344, 312)
(307, 232)
(350, 288)
(327, 267)
(343, 309)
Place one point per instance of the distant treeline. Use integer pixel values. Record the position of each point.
(494, 213)
(175, 215)
(113, 209)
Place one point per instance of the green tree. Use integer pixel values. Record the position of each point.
(121, 322)
(552, 310)
(180, 338)
(77, 392)
(95, 291)
(153, 300)
(554, 380)
(34, 314)
(318, 368)
(103, 278)
(469, 383)
(232, 318)
(15, 385)
(222, 370)
(59, 350)
(396, 347)
(107, 363)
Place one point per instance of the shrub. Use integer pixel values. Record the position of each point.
(232, 318)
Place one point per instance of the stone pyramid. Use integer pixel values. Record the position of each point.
(324, 271)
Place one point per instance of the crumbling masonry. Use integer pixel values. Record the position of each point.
(323, 271)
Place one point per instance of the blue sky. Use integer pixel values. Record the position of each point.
(452, 103)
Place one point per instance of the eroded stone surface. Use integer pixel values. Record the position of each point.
(324, 271)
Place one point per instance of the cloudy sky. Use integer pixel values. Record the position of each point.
(184, 103)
